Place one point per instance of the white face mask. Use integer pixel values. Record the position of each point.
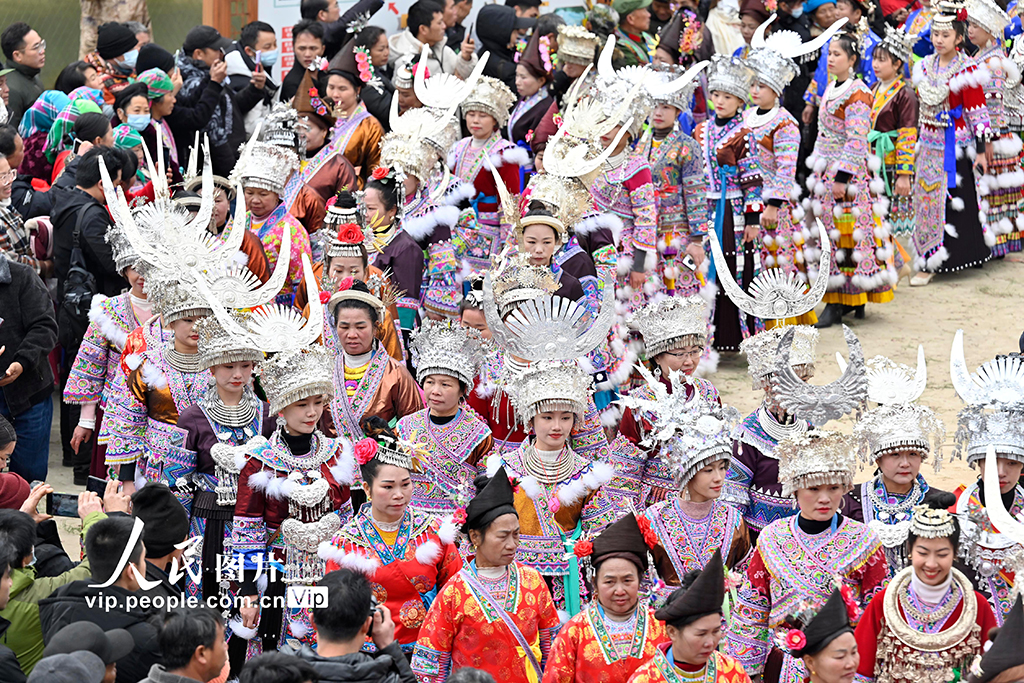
(797, 12)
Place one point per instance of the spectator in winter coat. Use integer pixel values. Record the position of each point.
(193, 646)
(28, 334)
(425, 24)
(337, 26)
(499, 29)
(105, 543)
(10, 670)
(25, 51)
(257, 40)
(204, 104)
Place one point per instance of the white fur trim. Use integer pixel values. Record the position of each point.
(297, 628)
(493, 464)
(133, 361)
(241, 631)
(447, 532)
(596, 222)
(428, 553)
(532, 487)
(516, 155)
(153, 376)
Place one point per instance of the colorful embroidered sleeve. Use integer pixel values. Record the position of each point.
(126, 422)
(640, 187)
(442, 293)
(605, 259)
(549, 623)
(588, 439)
(786, 143)
(249, 528)
(630, 463)
(857, 116)
(694, 189)
(602, 509)
(976, 114)
(873, 575)
(749, 638)
(432, 657)
(89, 371)
(737, 482)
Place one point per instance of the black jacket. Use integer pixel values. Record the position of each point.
(29, 332)
(99, 258)
(337, 33)
(10, 670)
(388, 665)
(378, 102)
(69, 603)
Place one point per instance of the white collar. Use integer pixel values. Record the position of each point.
(755, 120)
(931, 595)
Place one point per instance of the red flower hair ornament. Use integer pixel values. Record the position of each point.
(380, 172)
(583, 549)
(364, 450)
(650, 538)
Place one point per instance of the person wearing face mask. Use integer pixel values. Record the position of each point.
(753, 483)
(257, 39)
(675, 332)
(693, 624)
(414, 551)
(500, 28)
(929, 619)
(895, 438)
(117, 50)
(618, 631)
(816, 469)
(692, 523)
(161, 99)
(455, 440)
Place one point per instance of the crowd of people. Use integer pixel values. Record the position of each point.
(399, 367)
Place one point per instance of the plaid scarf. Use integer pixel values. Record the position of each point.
(14, 240)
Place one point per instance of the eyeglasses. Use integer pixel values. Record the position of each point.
(9, 175)
(679, 353)
(40, 46)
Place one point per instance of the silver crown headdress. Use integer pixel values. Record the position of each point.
(267, 166)
(730, 75)
(490, 96)
(437, 94)
(762, 349)
(546, 327)
(347, 230)
(820, 404)
(989, 16)
(773, 59)
(929, 522)
(895, 427)
(946, 13)
(297, 375)
(282, 129)
(672, 322)
(550, 385)
(691, 432)
(815, 458)
(899, 43)
(398, 452)
(774, 294)
(174, 300)
(217, 346)
(994, 414)
(444, 347)
(576, 45)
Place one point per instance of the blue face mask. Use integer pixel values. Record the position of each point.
(798, 11)
(269, 59)
(138, 121)
(130, 58)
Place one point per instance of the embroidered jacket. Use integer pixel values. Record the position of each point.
(358, 138)
(407, 572)
(661, 668)
(586, 652)
(270, 232)
(462, 629)
(627, 190)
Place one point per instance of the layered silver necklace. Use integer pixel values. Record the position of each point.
(182, 362)
(240, 415)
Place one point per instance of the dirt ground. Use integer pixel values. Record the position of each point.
(985, 303)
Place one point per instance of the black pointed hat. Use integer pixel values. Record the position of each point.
(494, 498)
(622, 539)
(1005, 653)
(699, 597)
(829, 623)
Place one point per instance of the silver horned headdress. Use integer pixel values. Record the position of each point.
(762, 349)
(815, 458)
(773, 59)
(690, 432)
(438, 93)
(891, 382)
(820, 404)
(774, 294)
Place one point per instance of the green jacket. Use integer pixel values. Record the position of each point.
(25, 634)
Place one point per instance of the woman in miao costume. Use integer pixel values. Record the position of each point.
(496, 614)
(356, 133)
(618, 631)
(775, 136)
(293, 488)
(675, 331)
(999, 189)
(694, 439)
(96, 381)
(694, 625)
(861, 271)
(1003, 661)
(454, 440)
(822, 640)
(799, 558)
(368, 381)
(954, 132)
(990, 428)
(929, 623)
(753, 483)
(895, 438)
(893, 135)
(562, 497)
(407, 553)
(679, 186)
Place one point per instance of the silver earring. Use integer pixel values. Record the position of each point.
(280, 421)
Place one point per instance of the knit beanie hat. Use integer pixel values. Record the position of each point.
(113, 39)
(13, 491)
(166, 520)
(152, 56)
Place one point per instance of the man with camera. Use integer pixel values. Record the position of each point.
(343, 625)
